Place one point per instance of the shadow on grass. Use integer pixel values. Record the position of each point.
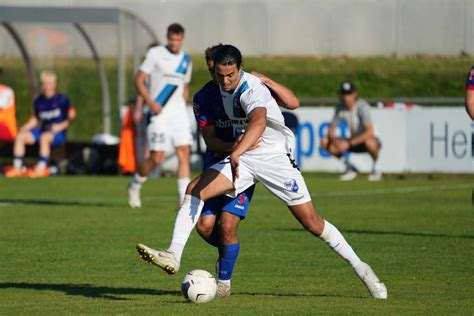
(53, 202)
(87, 290)
(388, 233)
(293, 295)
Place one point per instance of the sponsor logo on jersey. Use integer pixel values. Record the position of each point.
(48, 115)
(242, 198)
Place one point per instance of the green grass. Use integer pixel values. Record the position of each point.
(68, 246)
(307, 76)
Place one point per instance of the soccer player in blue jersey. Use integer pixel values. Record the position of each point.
(52, 115)
(167, 70)
(470, 94)
(217, 131)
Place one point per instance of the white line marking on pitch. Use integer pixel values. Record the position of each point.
(442, 187)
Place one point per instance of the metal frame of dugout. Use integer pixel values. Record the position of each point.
(78, 16)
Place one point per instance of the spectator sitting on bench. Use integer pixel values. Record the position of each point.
(52, 115)
(355, 112)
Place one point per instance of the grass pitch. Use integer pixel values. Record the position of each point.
(68, 246)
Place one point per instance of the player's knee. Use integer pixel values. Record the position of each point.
(183, 152)
(157, 157)
(228, 232)
(204, 228)
(46, 137)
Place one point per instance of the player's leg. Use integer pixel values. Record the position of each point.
(373, 148)
(184, 169)
(158, 141)
(210, 184)
(328, 146)
(228, 251)
(207, 225)
(21, 140)
(215, 181)
(288, 184)
(182, 139)
(351, 171)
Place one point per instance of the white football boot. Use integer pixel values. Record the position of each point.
(162, 258)
(349, 175)
(376, 288)
(375, 176)
(134, 197)
(223, 289)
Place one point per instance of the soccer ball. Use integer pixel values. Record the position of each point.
(199, 286)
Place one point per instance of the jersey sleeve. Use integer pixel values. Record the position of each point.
(204, 116)
(364, 113)
(189, 71)
(256, 97)
(470, 79)
(148, 64)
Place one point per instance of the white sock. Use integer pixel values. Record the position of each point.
(137, 181)
(333, 237)
(17, 163)
(41, 165)
(182, 186)
(186, 219)
(227, 282)
(374, 166)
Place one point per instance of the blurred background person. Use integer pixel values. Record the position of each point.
(52, 115)
(168, 70)
(470, 93)
(355, 112)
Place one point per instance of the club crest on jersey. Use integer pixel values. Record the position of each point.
(292, 185)
(242, 198)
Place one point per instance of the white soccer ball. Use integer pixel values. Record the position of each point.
(199, 286)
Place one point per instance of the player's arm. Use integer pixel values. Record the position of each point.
(186, 93)
(214, 143)
(255, 128)
(361, 138)
(470, 103)
(138, 110)
(32, 122)
(142, 89)
(284, 96)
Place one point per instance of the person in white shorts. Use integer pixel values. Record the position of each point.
(255, 114)
(168, 70)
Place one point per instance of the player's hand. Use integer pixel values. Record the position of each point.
(342, 145)
(137, 116)
(155, 107)
(234, 164)
(55, 128)
(262, 77)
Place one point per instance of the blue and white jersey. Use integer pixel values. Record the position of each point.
(250, 94)
(168, 74)
(208, 111)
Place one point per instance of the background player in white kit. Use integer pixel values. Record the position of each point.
(249, 105)
(168, 69)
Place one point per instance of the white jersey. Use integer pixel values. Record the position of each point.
(168, 74)
(250, 94)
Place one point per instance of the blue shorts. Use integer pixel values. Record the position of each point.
(59, 138)
(238, 206)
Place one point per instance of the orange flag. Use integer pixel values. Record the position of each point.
(126, 159)
(8, 128)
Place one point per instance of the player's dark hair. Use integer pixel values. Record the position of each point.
(228, 55)
(175, 28)
(210, 51)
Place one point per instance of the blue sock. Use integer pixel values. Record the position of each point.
(43, 159)
(227, 257)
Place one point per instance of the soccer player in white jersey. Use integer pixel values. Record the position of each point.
(168, 69)
(251, 107)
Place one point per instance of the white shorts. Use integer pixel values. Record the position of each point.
(163, 135)
(277, 172)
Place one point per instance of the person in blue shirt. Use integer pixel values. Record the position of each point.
(47, 126)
